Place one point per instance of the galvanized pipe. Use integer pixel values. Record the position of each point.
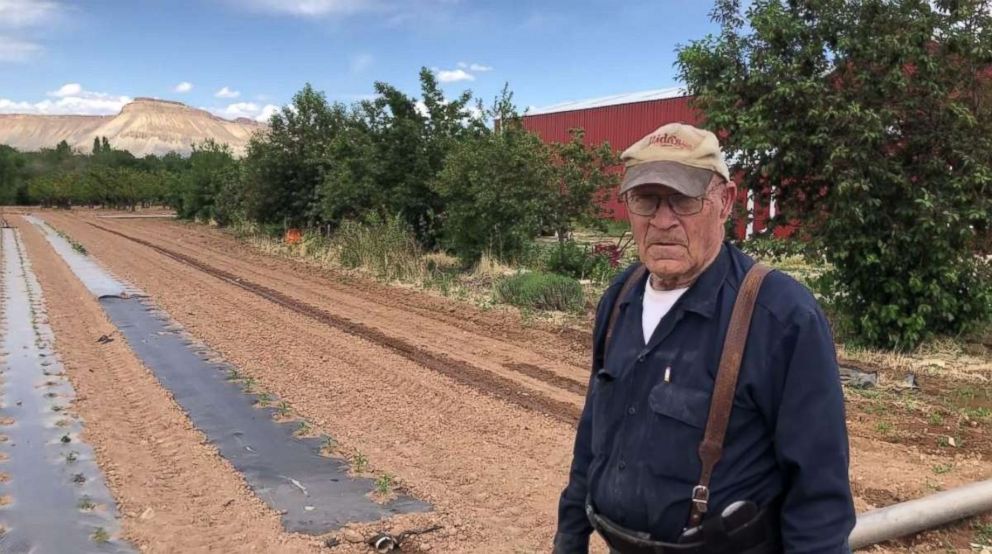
(924, 513)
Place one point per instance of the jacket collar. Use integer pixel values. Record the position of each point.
(702, 295)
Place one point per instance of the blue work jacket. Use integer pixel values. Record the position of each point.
(636, 450)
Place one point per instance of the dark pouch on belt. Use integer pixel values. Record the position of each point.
(757, 536)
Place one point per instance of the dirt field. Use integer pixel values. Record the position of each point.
(472, 411)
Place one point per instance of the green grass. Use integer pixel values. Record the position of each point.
(978, 413)
(983, 533)
(543, 291)
(385, 247)
(85, 504)
(941, 469)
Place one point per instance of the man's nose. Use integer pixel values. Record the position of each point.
(664, 217)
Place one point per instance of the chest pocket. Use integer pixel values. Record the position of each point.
(680, 415)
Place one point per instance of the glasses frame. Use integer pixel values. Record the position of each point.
(701, 200)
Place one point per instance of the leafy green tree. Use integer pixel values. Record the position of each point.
(495, 187)
(872, 122)
(11, 166)
(285, 166)
(391, 150)
(62, 150)
(583, 181)
(206, 188)
(96, 145)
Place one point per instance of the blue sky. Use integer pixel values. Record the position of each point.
(239, 56)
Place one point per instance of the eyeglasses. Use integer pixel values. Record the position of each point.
(646, 204)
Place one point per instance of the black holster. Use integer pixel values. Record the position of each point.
(761, 535)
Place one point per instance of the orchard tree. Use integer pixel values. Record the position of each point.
(872, 122)
(286, 165)
(582, 182)
(495, 187)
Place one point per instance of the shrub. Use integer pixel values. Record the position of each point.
(546, 291)
(582, 261)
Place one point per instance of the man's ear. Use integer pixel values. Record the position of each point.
(729, 195)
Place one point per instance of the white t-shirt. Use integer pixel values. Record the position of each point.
(657, 303)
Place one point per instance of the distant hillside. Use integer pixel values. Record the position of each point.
(144, 126)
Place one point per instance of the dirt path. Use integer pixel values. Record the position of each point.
(489, 463)
(174, 492)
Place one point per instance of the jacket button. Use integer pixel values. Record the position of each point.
(622, 466)
(641, 358)
(631, 410)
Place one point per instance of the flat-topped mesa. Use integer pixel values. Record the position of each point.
(143, 126)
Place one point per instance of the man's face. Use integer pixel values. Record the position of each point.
(677, 248)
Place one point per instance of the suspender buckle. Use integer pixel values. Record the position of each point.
(700, 498)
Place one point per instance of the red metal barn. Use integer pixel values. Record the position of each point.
(622, 120)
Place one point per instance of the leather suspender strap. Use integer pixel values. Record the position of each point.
(632, 280)
(725, 387)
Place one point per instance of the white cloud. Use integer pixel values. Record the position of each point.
(239, 109)
(227, 93)
(68, 89)
(27, 13)
(184, 86)
(475, 66)
(453, 75)
(70, 98)
(15, 51)
(267, 112)
(249, 110)
(312, 8)
(361, 62)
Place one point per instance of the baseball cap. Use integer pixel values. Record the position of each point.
(676, 155)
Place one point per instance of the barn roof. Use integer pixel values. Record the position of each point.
(613, 100)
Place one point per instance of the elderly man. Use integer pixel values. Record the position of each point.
(773, 473)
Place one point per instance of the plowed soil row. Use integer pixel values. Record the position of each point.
(466, 374)
(564, 351)
(492, 469)
(174, 492)
(490, 466)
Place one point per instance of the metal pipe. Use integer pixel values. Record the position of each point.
(924, 513)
